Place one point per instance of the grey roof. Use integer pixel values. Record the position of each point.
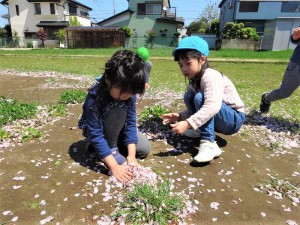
(53, 24)
(96, 28)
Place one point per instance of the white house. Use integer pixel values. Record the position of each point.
(26, 17)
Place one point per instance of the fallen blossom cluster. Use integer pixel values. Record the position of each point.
(280, 188)
(277, 135)
(141, 175)
(16, 129)
(85, 81)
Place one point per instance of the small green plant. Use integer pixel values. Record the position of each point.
(57, 163)
(34, 205)
(3, 134)
(72, 97)
(11, 110)
(57, 110)
(153, 113)
(147, 204)
(31, 133)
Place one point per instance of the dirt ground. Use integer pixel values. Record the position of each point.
(66, 191)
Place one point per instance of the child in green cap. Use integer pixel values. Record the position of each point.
(144, 53)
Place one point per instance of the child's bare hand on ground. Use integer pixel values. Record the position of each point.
(170, 117)
(121, 173)
(132, 161)
(180, 127)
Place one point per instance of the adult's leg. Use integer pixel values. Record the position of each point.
(290, 82)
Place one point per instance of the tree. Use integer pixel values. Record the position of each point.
(127, 31)
(210, 12)
(3, 32)
(42, 35)
(150, 37)
(60, 35)
(73, 22)
(237, 30)
(207, 18)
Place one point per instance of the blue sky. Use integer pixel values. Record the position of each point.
(102, 9)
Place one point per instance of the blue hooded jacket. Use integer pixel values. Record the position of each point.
(91, 121)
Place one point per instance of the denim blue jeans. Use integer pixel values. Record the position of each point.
(226, 121)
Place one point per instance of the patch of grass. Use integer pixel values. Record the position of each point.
(3, 134)
(57, 110)
(152, 113)
(150, 118)
(147, 204)
(31, 133)
(34, 205)
(72, 97)
(57, 163)
(11, 110)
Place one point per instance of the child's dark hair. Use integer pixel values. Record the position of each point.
(124, 70)
(192, 54)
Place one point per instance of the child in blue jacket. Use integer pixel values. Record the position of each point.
(109, 114)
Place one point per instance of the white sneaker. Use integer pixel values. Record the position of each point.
(191, 133)
(207, 151)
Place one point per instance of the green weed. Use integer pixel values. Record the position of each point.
(57, 110)
(3, 134)
(31, 133)
(11, 110)
(147, 204)
(57, 163)
(150, 118)
(72, 97)
(34, 205)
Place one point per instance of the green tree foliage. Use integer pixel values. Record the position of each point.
(60, 35)
(73, 22)
(237, 30)
(150, 37)
(3, 32)
(127, 31)
(208, 21)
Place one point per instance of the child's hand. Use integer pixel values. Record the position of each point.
(180, 127)
(170, 117)
(132, 161)
(296, 33)
(121, 173)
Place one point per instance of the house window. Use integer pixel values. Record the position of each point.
(153, 8)
(290, 6)
(72, 9)
(37, 8)
(248, 6)
(17, 10)
(84, 14)
(149, 9)
(52, 8)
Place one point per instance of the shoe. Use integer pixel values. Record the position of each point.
(207, 151)
(118, 156)
(264, 104)
(191, 133)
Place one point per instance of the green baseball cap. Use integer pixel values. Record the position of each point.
(144, 53)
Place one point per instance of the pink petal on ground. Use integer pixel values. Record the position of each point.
(214, 205)
(5, 213)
